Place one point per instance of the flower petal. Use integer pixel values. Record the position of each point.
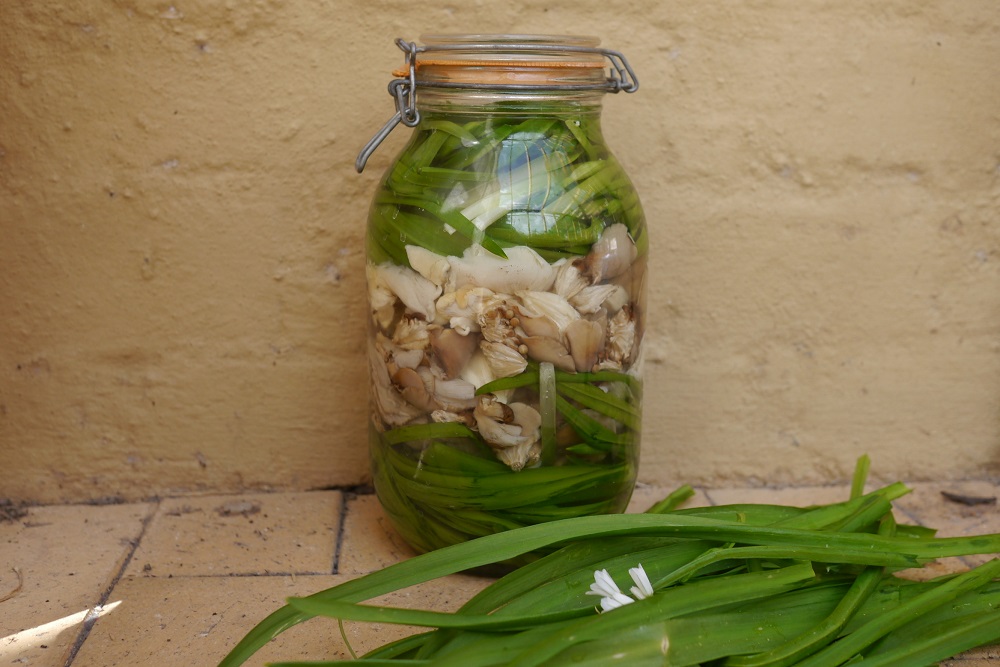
(603, 584)
(642, 589)
(611, 595)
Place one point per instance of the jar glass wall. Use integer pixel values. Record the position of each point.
(506, 260)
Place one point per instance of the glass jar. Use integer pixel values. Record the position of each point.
(506, 264)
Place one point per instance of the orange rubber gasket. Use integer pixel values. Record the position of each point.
(510, 64)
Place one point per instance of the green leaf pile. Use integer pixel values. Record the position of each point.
(749, 585)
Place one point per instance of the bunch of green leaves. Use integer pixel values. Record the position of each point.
(735, 586)
(544, 179)
(442, 484)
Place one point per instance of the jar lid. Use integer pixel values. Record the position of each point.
(555, 61)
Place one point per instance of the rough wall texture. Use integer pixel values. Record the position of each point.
(181, 282)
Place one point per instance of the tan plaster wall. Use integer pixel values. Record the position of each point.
(181, 292)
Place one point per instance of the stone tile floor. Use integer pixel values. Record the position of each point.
(180, 580)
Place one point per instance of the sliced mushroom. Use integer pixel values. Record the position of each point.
(408, 358)
(396, 357)
(590, 299)
(529, 419)
(496, 321)
(569, 280)
(412, 389)
(416, 292)
(611, 255)
(460, 308)
(586, 343)
(411, 334)
(430, 265)
(381, 300)
(453, 350)
(520, 457)
(504, 360)
(391, 408)
(523, 269)
(543, 348)
(539, 326)
(528, 453)
(548, 304)
(478, 372)
(512, 431)
(488, 406)
(453, 395)
(621, 336)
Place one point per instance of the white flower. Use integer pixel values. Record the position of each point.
(642, 589)
(611, 595)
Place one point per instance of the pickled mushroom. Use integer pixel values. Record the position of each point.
(381, 301)
(391, 407)
(611, 255)
(416, 292)
(543, 348)
(430, 265)
(453, 395)
(460, 308)
(569, 280)
(524, 269)
(621, 337)
(539, 326)
(495, 321)
(413, 390)
(586, 343)
(549, 304)
(453, 350)
(411, 334)
(590, 299)
(513, 431)
(504, 360)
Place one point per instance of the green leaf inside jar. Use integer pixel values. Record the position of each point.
(501, 182)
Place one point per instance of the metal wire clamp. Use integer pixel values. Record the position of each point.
(621, 78)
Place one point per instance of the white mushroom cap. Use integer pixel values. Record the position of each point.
(549, 304)
(430, 265)
(512, 430)
(611, 255)
(524, 269)
(416, 292)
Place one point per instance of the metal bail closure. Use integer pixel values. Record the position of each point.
(621, 78)
(404, 94)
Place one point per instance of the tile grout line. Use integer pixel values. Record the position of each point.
(91, 618)
(345, 497)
